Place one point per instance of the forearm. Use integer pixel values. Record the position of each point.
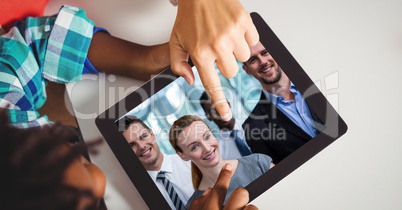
(116, 56)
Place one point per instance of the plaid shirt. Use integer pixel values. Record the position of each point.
(35, 49)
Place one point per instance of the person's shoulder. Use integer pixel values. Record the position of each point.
(249, 158)
(248, 120)
(256, 157)
(264, 157)
(264, 161)
(255, 163)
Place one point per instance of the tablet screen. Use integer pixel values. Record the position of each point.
(281, 120)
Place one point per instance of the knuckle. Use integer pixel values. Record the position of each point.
(200, 54)
(220, 45)
(243, 17)
(213, 90)
(220, 188)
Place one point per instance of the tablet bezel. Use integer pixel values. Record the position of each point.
(139, 176)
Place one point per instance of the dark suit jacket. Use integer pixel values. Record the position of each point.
(269, 131)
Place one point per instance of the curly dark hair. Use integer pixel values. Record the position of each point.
(33, 162)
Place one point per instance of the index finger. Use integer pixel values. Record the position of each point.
(210, 79)
(252, 37)
(218, 192)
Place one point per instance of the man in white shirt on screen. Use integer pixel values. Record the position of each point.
(170, 173)
(231, 139)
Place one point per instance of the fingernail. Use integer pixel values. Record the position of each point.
(227, 116)
(228, 167)
(206, 192)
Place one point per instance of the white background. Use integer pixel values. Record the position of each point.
(360, 42)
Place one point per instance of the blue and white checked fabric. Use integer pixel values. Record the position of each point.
(35, 49)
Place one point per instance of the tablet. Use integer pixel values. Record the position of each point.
(167, 97)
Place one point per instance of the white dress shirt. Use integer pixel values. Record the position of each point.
(178, 172)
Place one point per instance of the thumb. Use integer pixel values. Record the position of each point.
(179, 62)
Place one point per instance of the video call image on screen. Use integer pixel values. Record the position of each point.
(271, 120)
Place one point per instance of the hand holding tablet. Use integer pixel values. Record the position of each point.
(213, 197)
(211, 31)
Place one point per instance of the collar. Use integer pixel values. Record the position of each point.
(274, 99)
(166, 166)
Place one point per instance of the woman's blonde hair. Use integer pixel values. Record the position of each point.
(178, 126)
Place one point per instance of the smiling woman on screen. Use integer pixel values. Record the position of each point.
(193, 140)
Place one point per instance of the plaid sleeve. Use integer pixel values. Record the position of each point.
(52, 47)
(68, 45)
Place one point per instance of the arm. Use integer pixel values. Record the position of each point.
(116, 56)
(213, 198)
(211, 31)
